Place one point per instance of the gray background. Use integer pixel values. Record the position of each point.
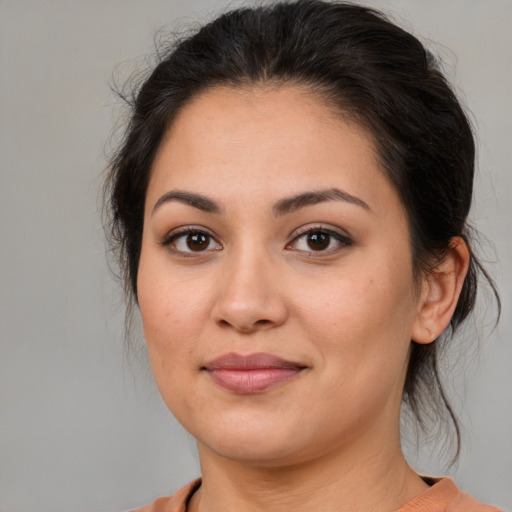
(82, 429)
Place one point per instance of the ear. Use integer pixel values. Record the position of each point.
(440, 293)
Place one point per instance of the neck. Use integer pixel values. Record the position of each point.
(370, 476)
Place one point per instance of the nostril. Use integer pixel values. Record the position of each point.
(262, 322)
(246, 327)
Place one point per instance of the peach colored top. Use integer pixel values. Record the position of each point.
(443, 496)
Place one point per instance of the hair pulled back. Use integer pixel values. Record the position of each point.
(366, 68)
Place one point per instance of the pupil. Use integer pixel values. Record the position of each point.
(197, 241)
(318, 241)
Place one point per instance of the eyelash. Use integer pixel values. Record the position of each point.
(172, 237)
(343, 241)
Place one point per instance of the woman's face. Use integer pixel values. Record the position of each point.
(275, 280)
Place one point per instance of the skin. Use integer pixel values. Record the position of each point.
(328, 438)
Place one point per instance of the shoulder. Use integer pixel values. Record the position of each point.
(444, 496)
(175, 503)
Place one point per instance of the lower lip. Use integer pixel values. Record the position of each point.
(252, 381)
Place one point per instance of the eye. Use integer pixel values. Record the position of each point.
(319, 240)
(191, 241)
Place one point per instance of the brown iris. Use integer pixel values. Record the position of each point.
(318, 241)
(197, 241)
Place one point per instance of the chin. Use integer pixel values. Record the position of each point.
(251, 440)
(258, 451)
(268, 449)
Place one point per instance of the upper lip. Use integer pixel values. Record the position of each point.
(255, 361)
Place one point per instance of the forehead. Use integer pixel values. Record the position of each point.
(227, 114)
(265, 140)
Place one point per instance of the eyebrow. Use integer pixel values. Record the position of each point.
(282, 207)
(291, 204)
(196, 200)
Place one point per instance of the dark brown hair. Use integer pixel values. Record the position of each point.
(367, 68)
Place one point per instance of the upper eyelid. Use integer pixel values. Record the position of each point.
(184, 230)
(326, 228)
(344, 240)
(296, 233)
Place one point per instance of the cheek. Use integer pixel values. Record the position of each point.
(365, 318)
(358, 302)
(173, 313)
(171, 304)
(170, 323)
(362, 334)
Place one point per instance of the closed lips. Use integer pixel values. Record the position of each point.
(251, 374)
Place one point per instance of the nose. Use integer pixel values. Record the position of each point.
(249, 296)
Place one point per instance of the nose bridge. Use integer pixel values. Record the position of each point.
(249, 297)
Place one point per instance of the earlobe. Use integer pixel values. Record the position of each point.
(440, 293)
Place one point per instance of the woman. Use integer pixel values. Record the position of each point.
(290, 208)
